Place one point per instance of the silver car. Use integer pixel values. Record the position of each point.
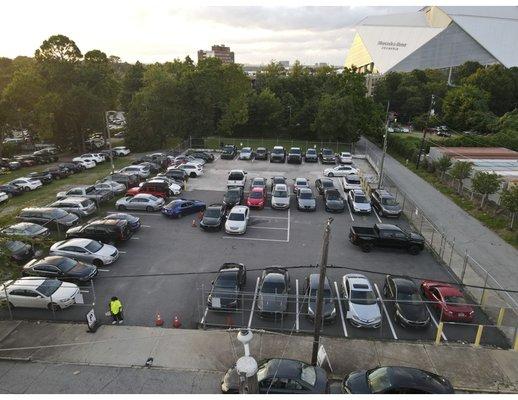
(142, 201)
(88, 250)
(363, 309)
(80, 206)
(300, 183)
(359, 202)
(280, 197)
(26, 229)
(112, 186)
(306, 200)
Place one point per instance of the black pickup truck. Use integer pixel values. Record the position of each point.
(385, 235)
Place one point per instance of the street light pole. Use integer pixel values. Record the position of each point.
(385, 137)
(421, 147)
(320, 293)
(109, 138)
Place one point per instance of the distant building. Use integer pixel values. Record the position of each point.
(285, 64)
(219, 51)
(320, 64)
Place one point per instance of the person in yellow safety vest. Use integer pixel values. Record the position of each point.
(116, 310)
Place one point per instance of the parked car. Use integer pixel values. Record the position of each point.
(345, 158)
(362, 303)
(26, 229)
(104, 230)
(181, 207)
(256, 198)
(327, 156)
(56, 218)
(86, 164)
(194, 170)
(26, 160)
(178, 175)
(36, 292)
(140, 170)
(157, 189)
(295, 155)
(153, 167)
(233, 197)
(44, 177)
(128, 180)
(115, 188)
(358, 202)
(261, 153)
(386, 235)
(282, 376)
(246, 153)
(311, 291)
(385, 204)
(26, 184)
(278, 154)
(80, 206)
(90, 157)
(204, 155)
(49, 155)
(87, 191)
(60, 267)
(300, 183)
(350, 182)
(87, 250)
(258, 182)
(11, 190)
(214, 217)
(340, 170)
(395, 380)
(274, 286)
(237, 220)
(18, 251)
(306, 200)
(333, 201)
(280, 197)
(10, 164)
(229, 152)
(226, 287)
(121, 151)
(449, 301)
(311, 155)
(176, 187)
(133, 221)
(142, 202)
(277, 180)
(58, 172)
(236, 177)
(322, 184)
(4, 197)
(410, 310)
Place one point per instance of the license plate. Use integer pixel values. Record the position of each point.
(462, 315)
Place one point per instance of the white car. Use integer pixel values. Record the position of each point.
(88, 164)
(39, 292)
(140, 170)
(193, 169)
(350, 182)
(280, 197)
(3, 197)
(245, 153)
(237, 220)
(340, 170)
(87, 250)
(89, 157)
(345, 157)
(299, 184)
(363, 309)
(121, 151)
(236, 178)
(27, 183)
(359, 202)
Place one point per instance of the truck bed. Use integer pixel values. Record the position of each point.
(363, 230)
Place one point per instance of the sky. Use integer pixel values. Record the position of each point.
(157, 31)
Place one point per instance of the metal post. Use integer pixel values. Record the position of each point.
(484, 291)
(439, 333)
(93, 290)
(8, 303)
(451, 253)
(424, 132)
(320, 292)
(421, 226)
(464, 267)
(202, 300)
(479, 335)
(109, 139)
(500, 316)
(52, 308)
(380, 180)
(246, 366)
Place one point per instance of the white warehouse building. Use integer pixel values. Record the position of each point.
(435, 37)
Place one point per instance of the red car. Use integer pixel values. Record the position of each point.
(256, 198)
(157, 189)
(448, 300)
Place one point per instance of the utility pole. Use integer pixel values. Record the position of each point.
(246, 366)
(320, 293)
(109, 138)
(385, 137)
(430, 111)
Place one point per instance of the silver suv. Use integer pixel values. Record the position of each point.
(80, 206)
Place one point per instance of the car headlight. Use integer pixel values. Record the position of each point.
(64, 300)
(333, 313)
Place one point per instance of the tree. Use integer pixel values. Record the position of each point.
(131, 83)
(465, 70)
(463, 105)
(443, 164)
(460, 171)
(509, 198)
(265, 112)
(485, 183)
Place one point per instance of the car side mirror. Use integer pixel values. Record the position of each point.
(212, 282)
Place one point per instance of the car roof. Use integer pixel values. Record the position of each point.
(404, 284)
(358, 281)
(258, 178)
(239, 209)
(314, 280)
(409, 377)
(305, 180)
(305, 190)
(51, 260)
(236, 171)
(358, 192)
(22, 225)
(145, 195)
(215, 205)
(447, 290)
(280, 186)
(107, 221)
(80, 242)
(257, 189)
(388, 226)
(352, 176)
(283, 368)
(278, 147)
(23, 281)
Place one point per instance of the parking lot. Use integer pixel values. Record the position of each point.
(167, 266)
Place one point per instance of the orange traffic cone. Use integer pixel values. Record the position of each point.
(194, 223)
(176, 321)
(158, 320)
(200, 215)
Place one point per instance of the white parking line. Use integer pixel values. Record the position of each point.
(145, 226)
(267, 227)
(350, 212)
(340, 308)
(156, 214)
(435, 321)
(135, 238)
(122, 252)
(253, 303)
(267, 217)
(289, 220)
(257, 239)
(297, 305)
(377, 216)
(386, 312)
(103, 270)
(85, 291)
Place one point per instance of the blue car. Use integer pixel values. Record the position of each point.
(180, 207)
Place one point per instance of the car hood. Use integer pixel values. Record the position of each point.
(82, 269)
(271, 302)
(307, 202)
(235, 224)
(356, 383)
(391, 209)
(362, 206)
(365, 312)
(106, 250)
(281, 200)
(416, 237)
(226, 295)
(255, 201)
(327, 309)
(210, 221)
(335, 203)
(412, 312)
(66, 290)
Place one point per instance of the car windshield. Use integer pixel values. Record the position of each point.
(33, 228)
(333, 196)
(58, 213)
(261, 150)
(327, 152)
(379, 380)
(280, 193)
(233, 194)
(309, 375)
(228, 149)
(236, 217)
(454, 299)
(409, 297)
(227, 280)
(360, 199)
(273, 287)
(277, 151)
(353, 181)
(301, 183)
(258, 182)
(389, 201)
(67, 264)
(311, 151)
(236, 176)
(212, 213)
(306, 195)
(295, 151)
(94, 246)
(49, 286)
(327, 294)
(328, 184)
(363, 297)
(14, 245)
(256, 195)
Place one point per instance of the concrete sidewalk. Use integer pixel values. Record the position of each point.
(212, 352)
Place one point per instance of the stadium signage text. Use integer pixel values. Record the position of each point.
(390, 45)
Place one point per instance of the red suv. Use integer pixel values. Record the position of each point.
(157, 189)
(256, 197)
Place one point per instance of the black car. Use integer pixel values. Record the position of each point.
(409, 307)
(395, 380)
(104, 230)
(322, 184)
(282, 376)
(311, 291)
(19, 252)
(229, 152)
(48, 217)
(295, 156)
(272, 299)
(277, 180)
(126, 179)
(73, 168)
(333, 201)
(233, 197)
(385, 204)
(133, 222)
(214, 217)
(327, 156)
(43, 176)
(227, 287)
(11, 190)
(58, 173)
(60, 267)
(178, 175)
(311, 155)
(50, 154)
(9, 164)
(204, 155)
(261, 153)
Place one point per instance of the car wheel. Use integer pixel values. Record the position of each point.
(331, 175)
(54, 307)
(121, 208)
(149, 209)
(98, 263)
(26, 188)
(367, 247)
(57, 177)
(380, 212)
(180, 215)
(192, 175)
(414, 250)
